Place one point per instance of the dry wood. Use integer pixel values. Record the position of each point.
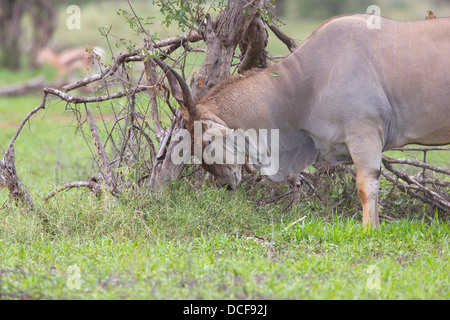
(8, 175)
(422, 149)
(222, 35)
(80, 99)
(408, 189)
(152, 80)
(416, 163)
(414, 186)
(105, 165)
(24, 88)
(92, 185)
(288, 41)
(112, 69)
(295, 222)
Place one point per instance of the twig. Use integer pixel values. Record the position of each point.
(24, 121)
(118, 61)
(387, 218)
(421, 149)
(94, 186)
(435, 198)
(295, 222)
(416, 164)
(104, 161)
(288, 41)
(152, 80)
(78, 99)
(279, 197)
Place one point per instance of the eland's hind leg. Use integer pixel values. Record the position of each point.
(365, 150)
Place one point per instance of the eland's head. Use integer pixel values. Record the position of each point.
(212, 140)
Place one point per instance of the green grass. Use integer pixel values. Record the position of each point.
(191, 244)
(47, 149)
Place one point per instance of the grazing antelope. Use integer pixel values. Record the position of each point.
(347, 94)
(72, 60)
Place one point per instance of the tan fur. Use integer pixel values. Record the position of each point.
(229, 82)
(347, 94)
(70, 60)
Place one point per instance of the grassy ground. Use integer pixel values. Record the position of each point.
(195, 243)
(192, 242)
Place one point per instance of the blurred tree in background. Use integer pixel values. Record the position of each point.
(41, 14)
(11, 13)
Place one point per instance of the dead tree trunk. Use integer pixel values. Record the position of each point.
(222, 35)
(9, 178)
(44, 14)
(10, 32)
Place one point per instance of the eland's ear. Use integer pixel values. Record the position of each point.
(216, 128)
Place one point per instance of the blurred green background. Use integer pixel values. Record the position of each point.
(300, 17)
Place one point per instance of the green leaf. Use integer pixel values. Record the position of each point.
(274, 74)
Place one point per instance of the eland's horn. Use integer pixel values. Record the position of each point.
(187, 98)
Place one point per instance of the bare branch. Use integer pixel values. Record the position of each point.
(152, 80)
(110, 179)
(118, 61)
(433, 197)
(24, 121)
(288, 41)
(78, 99)
(422, 149)
(191, 37)
(94, 186)
(416, 164)
(9, 177)
(408, 189)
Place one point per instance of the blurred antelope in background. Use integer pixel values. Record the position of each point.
(79, 59)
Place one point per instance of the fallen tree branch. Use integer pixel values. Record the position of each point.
(406, 189)
(24, 88)
(92, 185)
(431, 197)
(416, 164)
(421, 149)
(434, 182)
(387, 218)
(295, 222)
